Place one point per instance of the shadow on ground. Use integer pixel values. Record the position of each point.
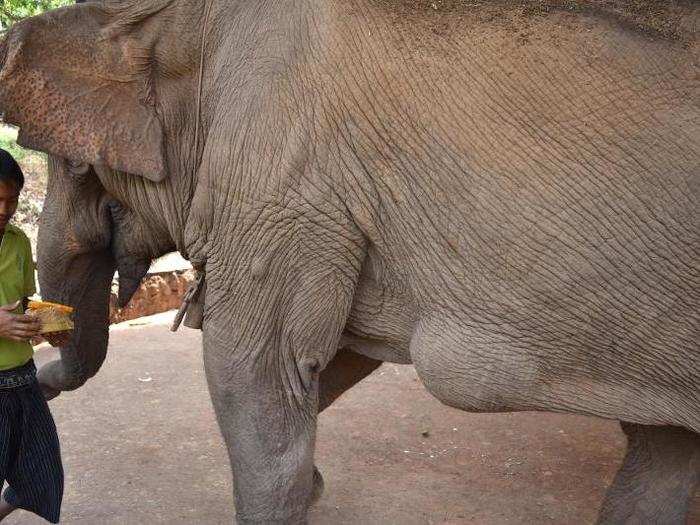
(141, 446)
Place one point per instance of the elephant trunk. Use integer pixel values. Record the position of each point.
(87, 291)
(78, 278)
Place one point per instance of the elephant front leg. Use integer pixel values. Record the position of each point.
(267, 415)
(263, 354)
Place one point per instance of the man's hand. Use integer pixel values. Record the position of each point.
(58, 339)
(17, 327)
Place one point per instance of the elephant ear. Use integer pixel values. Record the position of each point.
(81, 95)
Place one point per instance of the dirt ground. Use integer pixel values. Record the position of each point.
(141, 446)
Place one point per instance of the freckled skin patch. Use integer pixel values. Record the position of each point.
(88, 104)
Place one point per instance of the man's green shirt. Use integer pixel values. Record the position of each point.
(16, 283)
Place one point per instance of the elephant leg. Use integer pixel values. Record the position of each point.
(344, 371)
(658, 477)
(267, 415)
(266, 341)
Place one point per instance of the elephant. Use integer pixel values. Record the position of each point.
(503, 194)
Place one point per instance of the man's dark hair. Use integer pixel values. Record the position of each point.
(10, 170)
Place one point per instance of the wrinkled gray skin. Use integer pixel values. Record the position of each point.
(505, 198)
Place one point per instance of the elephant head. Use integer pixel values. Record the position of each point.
(85, 234)
(97, 95)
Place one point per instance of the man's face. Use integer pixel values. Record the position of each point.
(9, 195)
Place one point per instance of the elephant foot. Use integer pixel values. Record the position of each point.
(318, 486)
(658, 477)
(297, 519)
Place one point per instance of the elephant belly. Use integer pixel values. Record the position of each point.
(476, 369)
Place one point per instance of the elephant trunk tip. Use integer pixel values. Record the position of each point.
(55, 377)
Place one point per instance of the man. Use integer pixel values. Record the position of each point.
(30, 459)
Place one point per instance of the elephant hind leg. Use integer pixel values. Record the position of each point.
(343, 372)
(658, 477)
